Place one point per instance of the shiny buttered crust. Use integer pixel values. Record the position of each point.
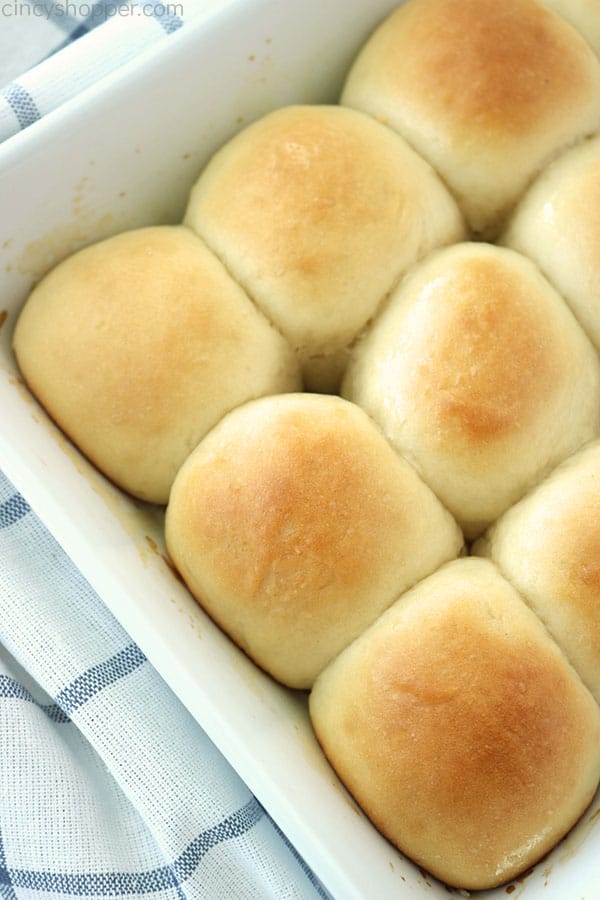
(557, 224)
(584, 15)
(487, 90)
(138, 345)
(295, 525)
(480, 375)
(317, 211)
(548, 546)
(461, 729)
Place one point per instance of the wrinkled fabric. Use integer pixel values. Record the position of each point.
(108, 786)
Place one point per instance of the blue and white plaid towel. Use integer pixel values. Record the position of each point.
(108, 787)
(94, 37)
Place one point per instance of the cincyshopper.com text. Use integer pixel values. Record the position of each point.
(89, 11)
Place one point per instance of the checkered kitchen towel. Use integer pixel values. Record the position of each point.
(108, 787)
(93, 37)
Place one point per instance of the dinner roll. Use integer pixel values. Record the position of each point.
(317, 211)
(487, 91)
(548, 546)
(461, 729)
(295, 524)
(557, 224)
(583, 14)
(138, 345)
(478, 373)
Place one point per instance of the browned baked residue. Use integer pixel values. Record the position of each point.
(3, 316)
(40, 255)
(156, 549)
(594, 817)
(171, 568)
(521, 878)
(511, 888)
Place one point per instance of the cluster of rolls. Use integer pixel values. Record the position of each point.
(334, 377)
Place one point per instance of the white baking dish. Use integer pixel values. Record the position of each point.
(125, 154)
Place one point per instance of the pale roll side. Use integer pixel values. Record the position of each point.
(584, 15)
(548, 547)
(557, 224)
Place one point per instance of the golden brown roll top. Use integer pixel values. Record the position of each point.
(461, 729)
(557, 224)
(479, 375)
(138, 345)
(584, 15)
(295, 525)
(488, 92)
(548, 546)
(317, 211)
